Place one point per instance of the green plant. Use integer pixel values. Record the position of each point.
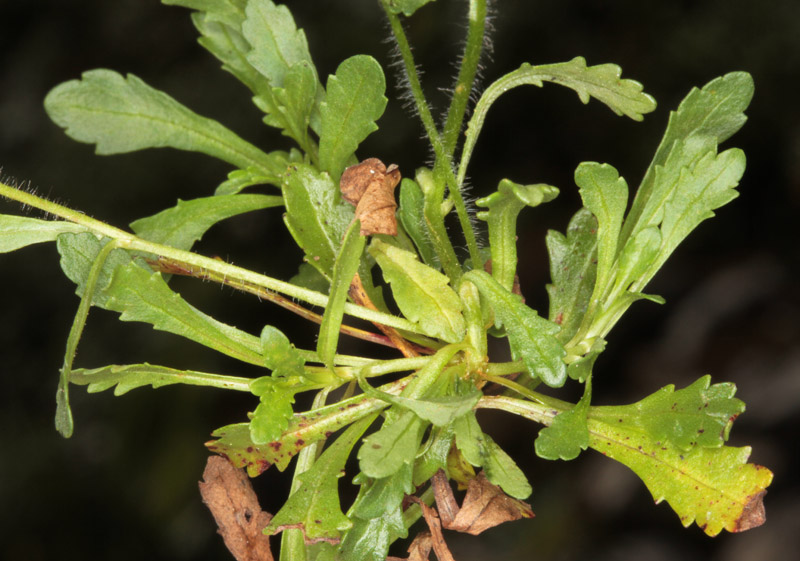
(449, 303)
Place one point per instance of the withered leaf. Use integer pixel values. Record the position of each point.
(484, 506)
(229, 496)
(753, 514)
(369, 186)
(435, 526)
(419, 550)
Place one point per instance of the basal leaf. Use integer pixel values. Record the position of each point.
(315, 215)
(276, 42)
(279, 354)
(423, 294)
(568, 434)
(344, 269)
(314, 506)
(714, 112)
(19, 231)
(410, 213)
(384, 452)
(699, 415)
(573, 269)
(405, 7)
(126, 377)
(504, 206)
(185, 223)
(713, 487)
(120, 114)
(272, 415)
(532, 338)
(355, 100)
(605, 194)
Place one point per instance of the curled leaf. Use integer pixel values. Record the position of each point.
(369, 186)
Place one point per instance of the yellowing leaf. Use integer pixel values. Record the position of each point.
(713, 487)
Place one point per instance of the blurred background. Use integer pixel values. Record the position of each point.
(125, 486)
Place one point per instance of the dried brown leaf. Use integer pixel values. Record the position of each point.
(369, 186)
(485, 505)
(753, 514)
(229, 496)
(419, 550)
(435, 526)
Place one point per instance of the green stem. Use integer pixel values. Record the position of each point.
(443, 168)
(230, 272)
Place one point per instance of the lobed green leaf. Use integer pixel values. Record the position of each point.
(568, 434)
(279, 354)
(355, 100)
(120, 114)
(126, 377)
(272, 415)
(532, 338)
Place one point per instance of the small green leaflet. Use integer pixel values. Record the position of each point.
(314, 507)
(713, 487)
(126, 377)
(315, 215)
(605, 194)
(569, 433)
(573, 269)
(406, 7)
(347, 262)
(423, 294)
(410, 213)
(279, 354)
(353, 103)
(19, 231)
(185, 223)
(699, 415)
(396, 443)
(532, 338)
(715, 112)
(504, 206)
(121, 114)
(271, 417)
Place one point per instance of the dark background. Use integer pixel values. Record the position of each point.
(124, 487)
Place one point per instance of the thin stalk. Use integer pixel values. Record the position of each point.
(189, 260)
(444, 165)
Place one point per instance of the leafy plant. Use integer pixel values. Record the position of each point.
(420, 423)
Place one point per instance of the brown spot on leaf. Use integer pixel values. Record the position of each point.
(227, 493)
(369, 186)
(753, 514)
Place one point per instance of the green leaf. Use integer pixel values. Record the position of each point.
(435, 454)
(713, 487)
(124, 114)
(569, 433)
(314, 506)
(126, 377)
(605, 194)
(309, 277)
(573, 269)
(637, 256)
(240, 179)
(345, 268)
(369, 540)
(185, 223)
(406, 7)
(279, 354)
(272, 415)
(315, 215)
(503, 208)
(381, 495)
(423, 294)
(481, 451)
(354, 102)
(532, 338)
(276, 43)
(139, 294)
(19, 231)
(714, 113)
(290, 106)
(410, 213)
(384, 452)
(439, 411)
(699, 415)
